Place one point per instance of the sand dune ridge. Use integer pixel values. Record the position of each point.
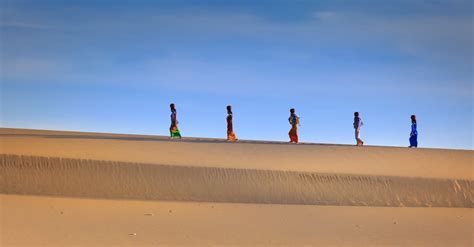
(36, 175)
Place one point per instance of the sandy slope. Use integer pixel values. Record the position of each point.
(271, 179)
(389, 161)
(36, 175)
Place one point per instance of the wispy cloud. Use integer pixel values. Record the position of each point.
(182, 46)
(28, 25)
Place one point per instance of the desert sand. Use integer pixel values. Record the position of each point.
(57, 221)
(61, 188)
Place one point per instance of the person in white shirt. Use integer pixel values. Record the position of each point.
(357, 124)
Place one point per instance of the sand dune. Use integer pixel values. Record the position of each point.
(340, 159)
(120, 180)
(274, 193)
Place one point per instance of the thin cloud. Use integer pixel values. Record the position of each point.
(27, 25)
(436, 40)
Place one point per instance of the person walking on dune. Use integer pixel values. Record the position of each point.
(413, 133)
(174, 131)
(230, 129)
(357, 124)
(294, 121)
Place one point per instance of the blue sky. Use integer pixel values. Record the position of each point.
(114, 66)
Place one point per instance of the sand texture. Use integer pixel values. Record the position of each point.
(73, 189)
(388, 161)
(57, 221)
(121, 180)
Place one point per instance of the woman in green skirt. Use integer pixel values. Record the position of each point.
(174, 131)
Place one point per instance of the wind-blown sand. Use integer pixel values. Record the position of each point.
(246, 193)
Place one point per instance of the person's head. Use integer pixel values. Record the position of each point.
(229, 109)
(172, 107)
(356, 114)
(413, 118)
(292, 110)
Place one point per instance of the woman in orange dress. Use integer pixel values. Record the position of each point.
(230, 129)
(294, 121)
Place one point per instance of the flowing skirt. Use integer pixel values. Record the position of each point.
(174, 132)
(231, 136)
(414, 141)
(293, 133)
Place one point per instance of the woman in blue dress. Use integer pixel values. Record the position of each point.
(413, 133)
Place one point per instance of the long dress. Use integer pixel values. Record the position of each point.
(174, 131)
(357, 124)
(293, 134)
(413, 136)
(230, 129)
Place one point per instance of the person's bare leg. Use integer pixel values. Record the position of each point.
(356, 133)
